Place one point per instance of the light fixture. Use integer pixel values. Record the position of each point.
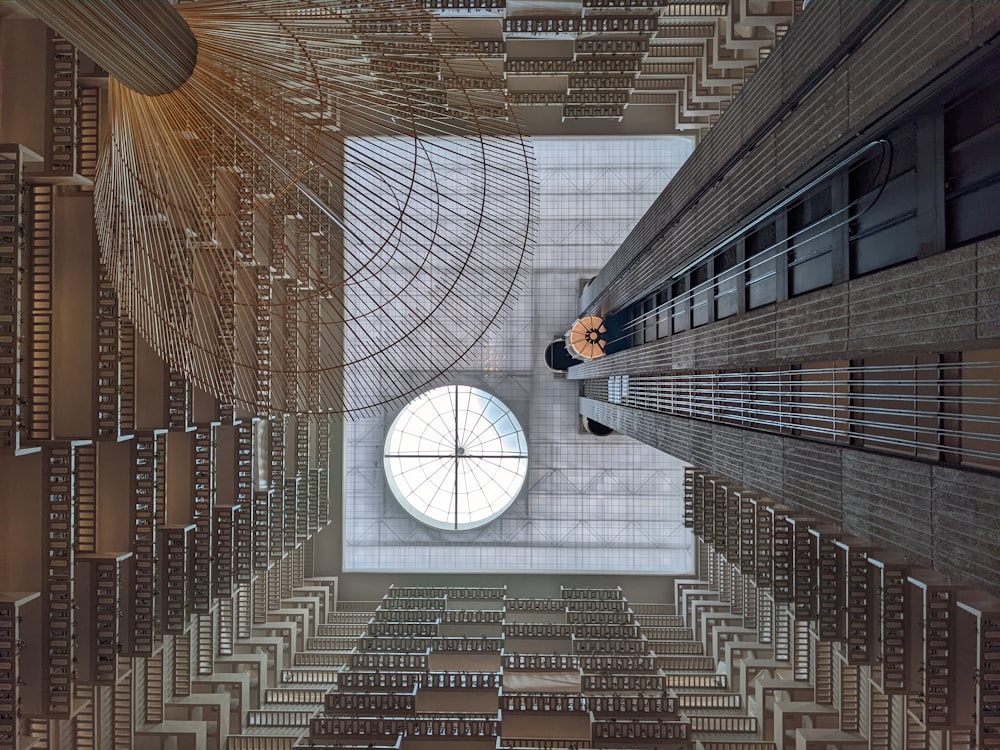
(585, 340)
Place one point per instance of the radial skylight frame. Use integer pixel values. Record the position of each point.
(456, 457)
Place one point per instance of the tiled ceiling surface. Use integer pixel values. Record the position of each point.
(589, 504)
(603, 66)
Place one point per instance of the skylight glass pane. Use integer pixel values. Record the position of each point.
(587, 504)
(455, 457)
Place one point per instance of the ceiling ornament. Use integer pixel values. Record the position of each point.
(585, 339)
(327, 214)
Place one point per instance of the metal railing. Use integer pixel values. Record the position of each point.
(940, 410)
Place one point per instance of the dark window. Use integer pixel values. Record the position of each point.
(637, 329)
(663, 314)
(883, 229)
(760, 266)
(972, 166)
(701, 296)
(810, 242)
(884, 233)
(649, 319)
(726, 283)
(681, 306)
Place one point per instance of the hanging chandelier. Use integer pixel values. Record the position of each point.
(326, 215)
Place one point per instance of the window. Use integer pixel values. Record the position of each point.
(726, 280)
(682, 305)
(811, 242)
(761, 273)
(456, 457)
(701, 296)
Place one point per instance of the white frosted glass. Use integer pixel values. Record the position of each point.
(455, 457)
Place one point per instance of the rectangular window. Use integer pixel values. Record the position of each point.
(810, 242)
(681, 306)
(761, 269)
(701, 296)
(663, 314)
(649, 319)
(884, 207)
(972, 166)
(726, 283)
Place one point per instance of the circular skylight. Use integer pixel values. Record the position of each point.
(456, 457)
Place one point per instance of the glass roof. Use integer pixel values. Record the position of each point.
(456, 457)
(588, 504)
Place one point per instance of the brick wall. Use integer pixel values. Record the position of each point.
(916, 42)
(946, 302)
(935, 515)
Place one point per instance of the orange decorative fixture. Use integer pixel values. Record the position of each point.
(585, 340)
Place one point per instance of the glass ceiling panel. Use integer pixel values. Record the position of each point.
(588, 504)
(455, 457)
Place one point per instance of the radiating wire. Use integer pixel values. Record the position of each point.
(947, 402)
(323, 218)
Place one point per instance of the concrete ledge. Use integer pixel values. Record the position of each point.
(184, 735)
(750, 668)
(286, 630)
(247, 664)
(236, 686)
(274, 648)
(821, 739)
(193, 707)
(769, 692)
(301, 618)
(712, 621)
